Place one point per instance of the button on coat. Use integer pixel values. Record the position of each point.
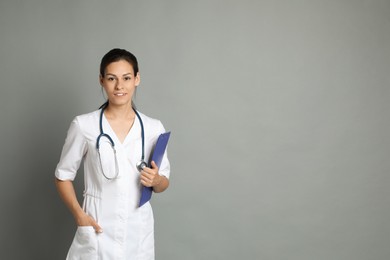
(128, 230)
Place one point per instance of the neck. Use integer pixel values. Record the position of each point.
(119, 112)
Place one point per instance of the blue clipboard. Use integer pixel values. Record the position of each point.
(157, 155)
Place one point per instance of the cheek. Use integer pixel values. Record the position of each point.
(107, 85)
(104, 87)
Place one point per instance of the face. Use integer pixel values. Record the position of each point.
(119, 82)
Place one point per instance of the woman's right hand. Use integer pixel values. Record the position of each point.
(66, 190)
(86, 220)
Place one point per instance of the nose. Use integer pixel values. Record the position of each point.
(119, 84)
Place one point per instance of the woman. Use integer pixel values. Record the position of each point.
(110, 224)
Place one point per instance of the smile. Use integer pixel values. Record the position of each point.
(120, 94)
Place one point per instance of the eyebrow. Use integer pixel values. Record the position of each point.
(111, 74)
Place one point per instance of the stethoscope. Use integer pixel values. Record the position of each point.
(140, 165)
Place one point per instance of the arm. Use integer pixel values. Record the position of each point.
(72, 153)
(151, 178)
(68, 195)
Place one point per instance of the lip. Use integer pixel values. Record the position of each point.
(120, 94)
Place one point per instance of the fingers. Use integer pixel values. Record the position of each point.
(153, 170)
(89, 221)
(95, 225)
(147, 179)
(154, 166)
(97, 228)
(149, 176)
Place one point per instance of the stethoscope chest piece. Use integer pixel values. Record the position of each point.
(141, 165)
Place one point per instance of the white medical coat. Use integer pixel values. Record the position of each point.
(128, 230)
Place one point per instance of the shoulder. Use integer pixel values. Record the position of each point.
(87, 118)
(84, 122)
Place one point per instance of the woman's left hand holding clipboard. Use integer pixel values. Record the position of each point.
(151, 178)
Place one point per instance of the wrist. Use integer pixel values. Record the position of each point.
(79, 216)
(159, 180)
(162, 184)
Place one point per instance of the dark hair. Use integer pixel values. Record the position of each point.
(117, 55)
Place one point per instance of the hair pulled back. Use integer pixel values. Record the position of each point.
(117, 55)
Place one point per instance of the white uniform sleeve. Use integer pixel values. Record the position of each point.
(165, 167)
(72, 153)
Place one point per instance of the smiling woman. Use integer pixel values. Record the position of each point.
(120, 81)
(112, 179)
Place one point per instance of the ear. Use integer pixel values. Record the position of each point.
(137, 79)
(101, 80)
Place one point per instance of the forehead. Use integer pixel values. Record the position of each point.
(119, 67)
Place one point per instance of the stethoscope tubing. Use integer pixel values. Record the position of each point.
(140, 165)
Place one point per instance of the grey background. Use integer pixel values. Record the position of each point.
(279, 112)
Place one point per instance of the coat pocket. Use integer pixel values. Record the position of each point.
(84, 245)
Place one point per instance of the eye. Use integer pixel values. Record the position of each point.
(110, 78)
(127, 78)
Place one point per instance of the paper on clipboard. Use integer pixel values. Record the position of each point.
(157, 155)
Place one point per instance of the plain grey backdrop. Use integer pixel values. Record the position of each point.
(279, 112)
